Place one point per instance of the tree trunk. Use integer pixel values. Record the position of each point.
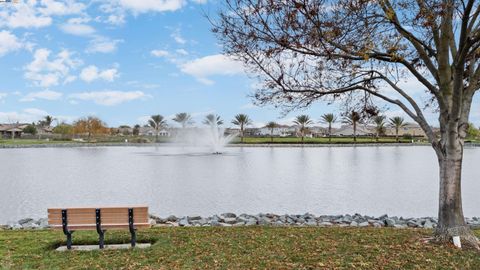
(354, 131)
(329, 132)
(451, 221)
(396, 134)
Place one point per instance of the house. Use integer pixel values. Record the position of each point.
(409, 129)
(278, 131)
(12, 130)
(347, 130)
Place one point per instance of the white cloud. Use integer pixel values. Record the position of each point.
(109, 98)
(160, 53)
(78, 29)
(116, 19)
(61, 8)
(151, 5)
(102, 45)
(23, 15)
(92, 73)
(212, 65)
(28, 115)
(177, 37)
(45, 72)
(46, 94)
(182, 52)
(9, 42)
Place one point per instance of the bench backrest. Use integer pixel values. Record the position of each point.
(84, 218)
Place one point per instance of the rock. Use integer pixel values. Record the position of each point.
(400, 226)
(311, 222)
(152, 221)
(230, 220)
(238, 224)
(251, 222)
(363, 224)
(353, 224)
(412, 224)
(225, 224)
(228, 215)
(172, 218)
(30, 225)
(264, 221)
(325, 224)
(428, 224)
(278, 223)
(158, 219)
(214, 222)
(25, 220)
(192, 218)
(43, 223)
(200, 221)
(383, 217)
(389, 222)
(183, 222)
(377, 225)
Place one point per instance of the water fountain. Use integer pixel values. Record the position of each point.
(211, 139)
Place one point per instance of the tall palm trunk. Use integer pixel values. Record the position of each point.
(329, 132)
(396, 134)
(241, 133)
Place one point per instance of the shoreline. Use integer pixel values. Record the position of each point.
(286, 220)
(259, 145)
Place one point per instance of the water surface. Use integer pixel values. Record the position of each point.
(182, 181)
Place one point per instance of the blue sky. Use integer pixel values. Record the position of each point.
(122, 61)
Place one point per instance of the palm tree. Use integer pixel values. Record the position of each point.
(241, 120)
(353, 118)
(271, 126)
(302, 121)
(397, 122)
(183, 119)
(329, 118)
(379, 121)
(213, 120)
(157, 122)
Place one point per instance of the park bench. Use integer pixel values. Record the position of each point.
(99, 219)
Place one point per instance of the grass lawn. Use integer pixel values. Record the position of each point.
(29, 141)
(288, 140)
(239, 248)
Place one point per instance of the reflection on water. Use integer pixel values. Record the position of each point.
(191, 181)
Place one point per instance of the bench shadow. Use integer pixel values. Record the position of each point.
(90, 239)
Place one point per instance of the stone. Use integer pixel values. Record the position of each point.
(43, 223)
(25, 220)
(363, 224)
(389, 222)
(30, 225)
(225, 224)
(428, 224)
(383, 217)
(264, 221)
(238, 224)
(194, 218)
(325, 224)
(183, 222)
(228, 215)
(353, 224)
(412, 224)
(377, 225)
(230, 220)
(172, 218)
(400, 226)
(214, 222)
(251, 222)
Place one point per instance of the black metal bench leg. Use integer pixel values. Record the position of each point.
(101, 237)
(69, 240)
(133, 241)
(67, 232)
(101, 233)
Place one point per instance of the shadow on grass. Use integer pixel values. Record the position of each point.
(91, 238)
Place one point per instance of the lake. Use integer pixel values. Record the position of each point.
(397, 180)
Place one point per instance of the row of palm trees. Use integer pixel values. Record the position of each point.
(303, 121)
